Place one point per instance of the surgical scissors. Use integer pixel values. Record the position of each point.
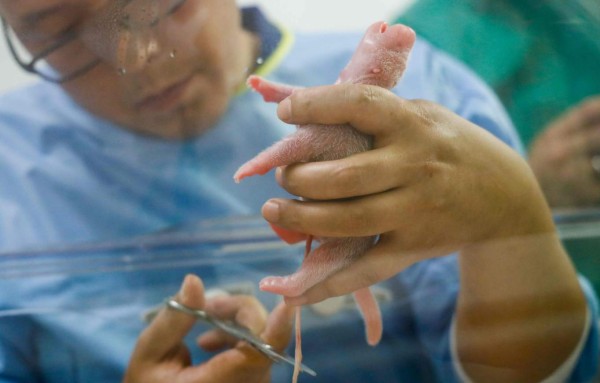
(238, 332)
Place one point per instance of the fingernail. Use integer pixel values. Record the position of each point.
(279, 175)
(270, 211)
(284, 110)
(183, 291)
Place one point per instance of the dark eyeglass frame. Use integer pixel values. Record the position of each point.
(30, 66)
(65, 39)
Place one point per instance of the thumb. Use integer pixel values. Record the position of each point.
(169, 328)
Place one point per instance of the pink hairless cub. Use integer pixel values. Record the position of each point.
(380, 59)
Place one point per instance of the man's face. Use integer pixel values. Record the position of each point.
(166, 69)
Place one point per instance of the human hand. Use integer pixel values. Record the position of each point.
(161, 356)
(561, 157)
(434, 183)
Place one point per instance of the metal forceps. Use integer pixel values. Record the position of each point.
(238, 332)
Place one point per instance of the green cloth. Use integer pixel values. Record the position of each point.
(585, 254)
(541, 57)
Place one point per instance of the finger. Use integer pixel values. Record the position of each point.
(589, 112)
(216, 340)
(245, 310)
(567, 124)
(370, 109)
(579, 117)
(361, 174)
(577, 145)
(378, 264)
(592, 138)
(288, 236)
(278, 331)
(244, 363)
(168, 329)
(360, 217)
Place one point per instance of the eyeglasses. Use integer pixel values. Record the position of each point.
(38, 64)
(69, 44)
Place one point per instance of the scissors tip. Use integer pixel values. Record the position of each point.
(309, 371)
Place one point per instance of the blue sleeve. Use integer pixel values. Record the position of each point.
(587, 366)
(433, 286)
(17, 355)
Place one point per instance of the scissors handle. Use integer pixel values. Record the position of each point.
(238, 332)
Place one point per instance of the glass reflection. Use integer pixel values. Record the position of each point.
(117, 185)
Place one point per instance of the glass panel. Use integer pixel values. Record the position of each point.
(85, 305)
(464, 199)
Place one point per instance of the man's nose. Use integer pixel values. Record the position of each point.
(126, 51)
(128, 44)
(135, 50)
